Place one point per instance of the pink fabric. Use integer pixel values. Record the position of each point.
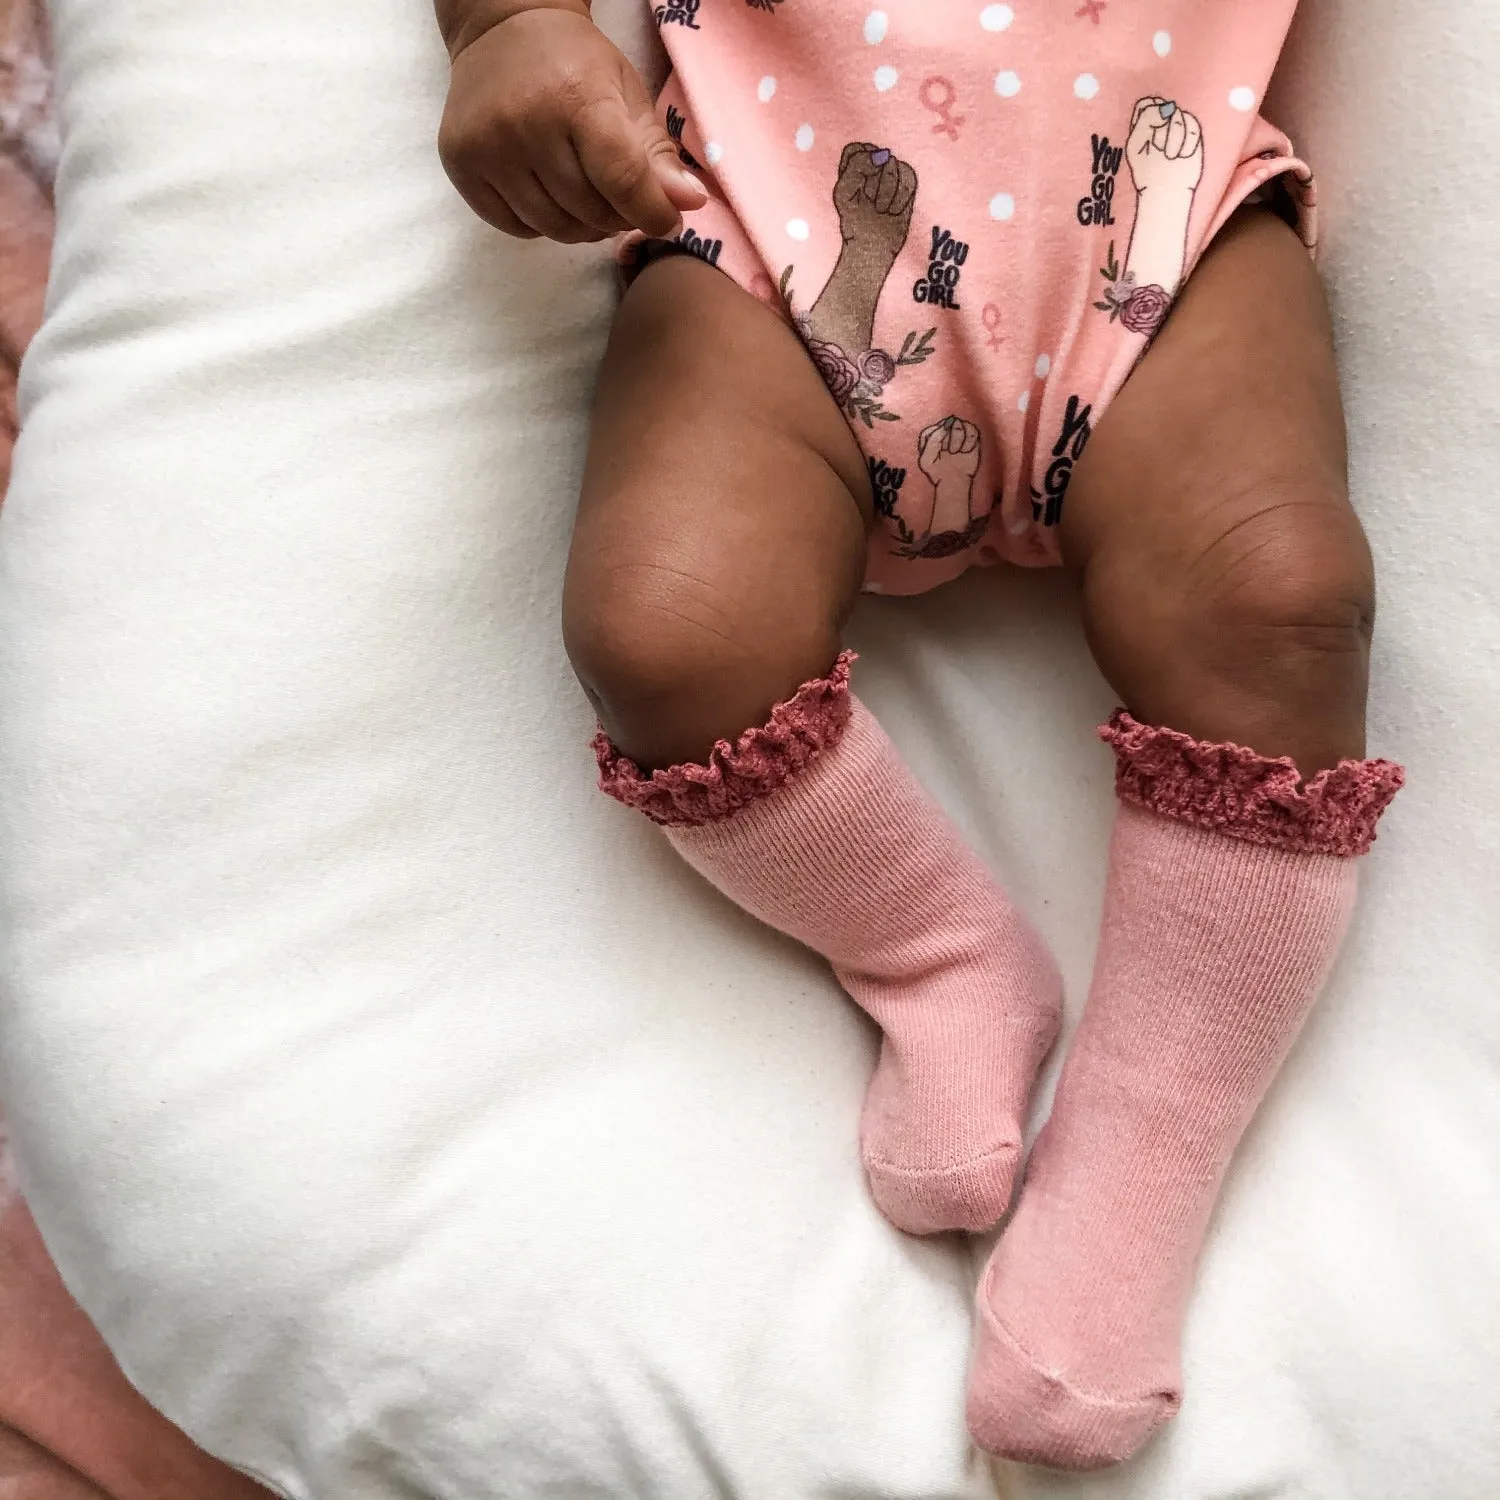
(1213, 949)
(761, 760)
(854, 859)
(977, 217)
(1248, 795)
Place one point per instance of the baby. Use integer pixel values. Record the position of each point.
(916, 289)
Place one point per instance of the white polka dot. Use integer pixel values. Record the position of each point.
(1161, 43)
(713, 153)
(1043, 366)
(886, 79)
(1007, 84)
(1023, 401)
(804, 137)
(996, 17)
(876, 25)
(1085, 85)
(1002, 206)
(765, 90)
(798, 229)
(1242, 99)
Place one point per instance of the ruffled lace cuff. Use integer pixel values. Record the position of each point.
(1249, 796)
(761, 760)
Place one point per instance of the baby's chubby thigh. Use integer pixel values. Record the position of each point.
(722, 525)
(1227, 584)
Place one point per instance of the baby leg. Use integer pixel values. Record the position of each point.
(720, 542)
(1228, 594)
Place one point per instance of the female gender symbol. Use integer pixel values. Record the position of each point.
(939, 95)
(990, 317)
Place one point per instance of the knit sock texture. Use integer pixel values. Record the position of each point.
(850, 856)
(1213, 948)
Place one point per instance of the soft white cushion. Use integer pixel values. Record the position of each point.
(408, 1121)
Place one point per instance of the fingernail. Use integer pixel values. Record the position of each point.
(692, 181)
(1168, 110)
(881, 157)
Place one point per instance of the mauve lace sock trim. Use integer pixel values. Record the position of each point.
(1249, 796)
(763, 759)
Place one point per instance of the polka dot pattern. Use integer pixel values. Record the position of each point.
(997, 17)
(877, 23)
(1002, 207)
(798, 229)
(1007, 84)
(765, 90)
(1086, 86)
(1242, 99)
(886, 78)
(805, 137)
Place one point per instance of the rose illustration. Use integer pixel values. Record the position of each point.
(878, 367)
(840, 373)
(1146, 309)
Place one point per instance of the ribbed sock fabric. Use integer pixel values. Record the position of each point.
(1229, 889)
(814, 825)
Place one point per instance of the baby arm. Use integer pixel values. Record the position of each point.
(549, 130)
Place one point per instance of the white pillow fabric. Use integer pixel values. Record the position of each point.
(408, 1121)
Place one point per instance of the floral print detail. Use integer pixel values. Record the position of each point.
(1118, 285)
(1146, 309)
(1141, 309)
(859, 384)
(878, 367)
(840, 373)
(942, 543)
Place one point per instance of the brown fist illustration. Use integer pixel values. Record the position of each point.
(874, 195)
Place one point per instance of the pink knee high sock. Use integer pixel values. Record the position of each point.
(814, 825)
(1230, 886)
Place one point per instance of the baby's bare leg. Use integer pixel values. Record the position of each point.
(720, 542)
(722, 528)
(1227, 584)
(1228, 597)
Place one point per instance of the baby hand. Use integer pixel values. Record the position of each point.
(548, 129)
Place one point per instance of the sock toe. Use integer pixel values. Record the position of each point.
(1021, 1410)
(970, 1197)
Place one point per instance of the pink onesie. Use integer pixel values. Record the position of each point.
(977, 216)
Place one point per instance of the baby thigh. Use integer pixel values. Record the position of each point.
(722, 527)
(1228, 589)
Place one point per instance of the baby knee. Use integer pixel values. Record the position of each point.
(636, 656)
(1287, 590)
(1260, 636)
(671, 669)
